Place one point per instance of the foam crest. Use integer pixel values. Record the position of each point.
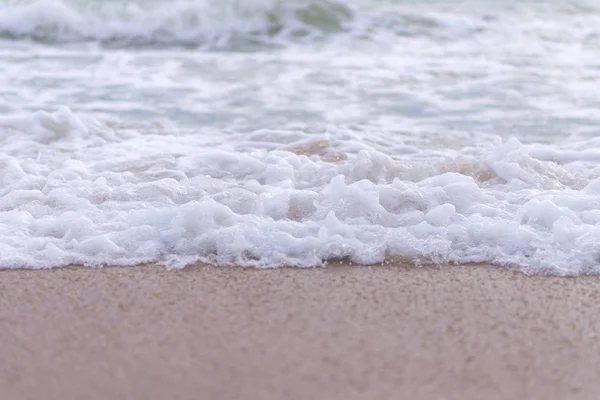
(83, 198)
(46, 126)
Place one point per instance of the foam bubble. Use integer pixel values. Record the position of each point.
(75, 190)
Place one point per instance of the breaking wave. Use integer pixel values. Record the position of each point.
(209, 23)
(227, 24)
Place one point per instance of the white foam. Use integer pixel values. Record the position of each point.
(75, 190)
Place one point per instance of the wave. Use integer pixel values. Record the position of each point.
(247, 25)
(226, 24)
(211, 23)
(75, 190)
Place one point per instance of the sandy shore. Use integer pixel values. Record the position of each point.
(343, 332)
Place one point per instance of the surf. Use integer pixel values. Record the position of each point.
(78, 190)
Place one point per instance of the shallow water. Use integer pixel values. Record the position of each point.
(273, 133)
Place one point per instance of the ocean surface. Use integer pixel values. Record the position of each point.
(292, 133)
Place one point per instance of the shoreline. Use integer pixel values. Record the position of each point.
(341, 332)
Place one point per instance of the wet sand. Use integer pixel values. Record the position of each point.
(342, 332)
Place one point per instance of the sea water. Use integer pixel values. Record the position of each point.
(292, 133)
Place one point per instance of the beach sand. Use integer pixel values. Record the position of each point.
(342, 332)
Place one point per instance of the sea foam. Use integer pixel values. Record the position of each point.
(77, 190)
